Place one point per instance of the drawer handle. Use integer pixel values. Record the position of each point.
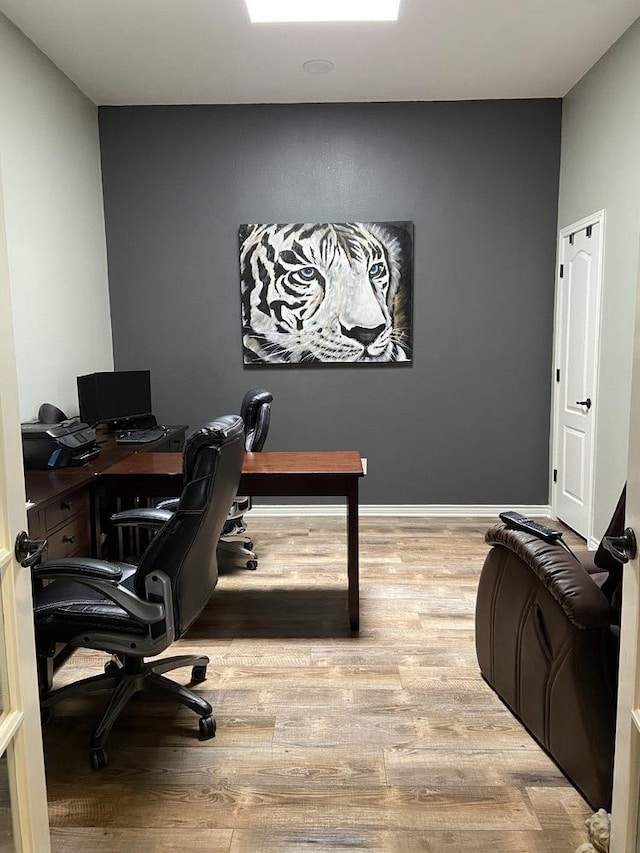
(66, 504)
(70, 539)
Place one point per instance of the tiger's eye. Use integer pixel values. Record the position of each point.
(376, 270)
(307, 273)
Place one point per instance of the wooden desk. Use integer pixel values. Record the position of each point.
(62, 498)
(314, 474)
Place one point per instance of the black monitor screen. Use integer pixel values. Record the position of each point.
(121, 395)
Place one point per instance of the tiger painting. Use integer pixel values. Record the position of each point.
(337, 292)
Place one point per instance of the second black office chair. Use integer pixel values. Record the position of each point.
(234, 545)
(256, 415)
(133, 613)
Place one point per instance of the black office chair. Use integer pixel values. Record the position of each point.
(134, 613)
(256, 415)
(234, 542)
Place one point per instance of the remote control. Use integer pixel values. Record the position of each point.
(528, 525)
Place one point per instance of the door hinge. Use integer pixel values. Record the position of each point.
(555, 475)
(589, 230)
(561, 270)
(571, 239)
(558, 375)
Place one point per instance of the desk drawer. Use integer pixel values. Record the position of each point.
(65, 508)
(72, 538)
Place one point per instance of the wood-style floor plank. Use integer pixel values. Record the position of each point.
(388, 741)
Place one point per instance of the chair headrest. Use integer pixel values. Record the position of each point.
(251, 403)
(50, 414)
(224, 427)
(213, 434)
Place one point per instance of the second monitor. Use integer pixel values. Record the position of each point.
(118, 398)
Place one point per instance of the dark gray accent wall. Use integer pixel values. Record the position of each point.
(467, 422)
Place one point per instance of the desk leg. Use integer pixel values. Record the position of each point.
(353, 594)
(96, 527)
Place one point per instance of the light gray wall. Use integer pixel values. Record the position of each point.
(468, 421)
(51, 184)
(600, 168)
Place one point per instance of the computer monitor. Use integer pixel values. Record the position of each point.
(116, 398)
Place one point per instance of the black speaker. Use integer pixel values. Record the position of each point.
(50, 414)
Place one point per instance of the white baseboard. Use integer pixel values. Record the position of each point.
(395, 510)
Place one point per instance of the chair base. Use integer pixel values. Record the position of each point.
(237, 549)
(127, 677)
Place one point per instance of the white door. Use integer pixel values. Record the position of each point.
(576, 353)
(23, 798)
(625, 834)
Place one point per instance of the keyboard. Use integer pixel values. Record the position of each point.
(140, 436)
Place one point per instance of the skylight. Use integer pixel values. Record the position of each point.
(290, 11)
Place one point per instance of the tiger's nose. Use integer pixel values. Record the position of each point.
(364, 334)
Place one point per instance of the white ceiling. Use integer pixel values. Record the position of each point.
(206, 51)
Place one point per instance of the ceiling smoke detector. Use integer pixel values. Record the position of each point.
(318, 66)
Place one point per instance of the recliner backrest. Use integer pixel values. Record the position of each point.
(256, 414)
(185, 548)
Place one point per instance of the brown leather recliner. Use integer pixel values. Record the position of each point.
(547, 641)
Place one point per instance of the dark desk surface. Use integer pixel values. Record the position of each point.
(304, 463)
(293, 463)
(268, 473)
(45, 486)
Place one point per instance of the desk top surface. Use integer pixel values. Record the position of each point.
(41, 486)
(342, 462)
(286, 463)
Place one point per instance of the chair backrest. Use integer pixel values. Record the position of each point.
(256, 414)
(185, 548)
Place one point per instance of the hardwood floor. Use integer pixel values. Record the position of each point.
(388, 741)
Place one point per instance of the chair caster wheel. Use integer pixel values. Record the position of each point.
(198, 673)
(207, 728)
(248, 545)
(111, 667)
(252, 564)
(98, 759)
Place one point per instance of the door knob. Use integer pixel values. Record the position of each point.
(586, 402)
(28, 551)
(622, 548)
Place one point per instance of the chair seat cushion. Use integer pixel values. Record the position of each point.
(63, 609)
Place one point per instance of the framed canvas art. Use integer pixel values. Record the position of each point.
(334, 293)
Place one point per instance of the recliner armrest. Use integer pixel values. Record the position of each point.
(562, 575)
(149, 517)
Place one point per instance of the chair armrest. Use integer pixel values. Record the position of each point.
(170, 504)
(104, 578)
(560, 573)
(148, 517)
(80, 567)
